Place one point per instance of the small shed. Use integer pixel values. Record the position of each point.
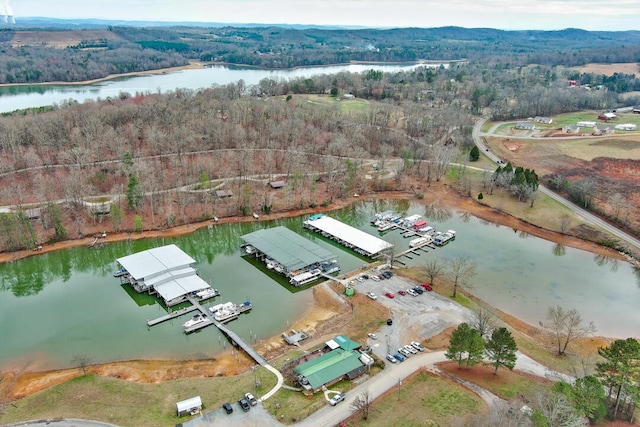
(190, 406)
(224, 194)
(276, 184)
(33, 213)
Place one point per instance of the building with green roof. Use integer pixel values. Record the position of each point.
(289, 253)
(338, 363)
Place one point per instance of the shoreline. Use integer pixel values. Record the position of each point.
(196, 65)
(318, 317)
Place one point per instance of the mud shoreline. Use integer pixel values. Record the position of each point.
(319, 319)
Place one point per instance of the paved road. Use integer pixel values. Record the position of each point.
(586, 215)
(67, 422)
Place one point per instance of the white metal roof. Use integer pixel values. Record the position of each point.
(188, 404)
(167, 269)
(154, 261)
(358, 238)
(181, 286)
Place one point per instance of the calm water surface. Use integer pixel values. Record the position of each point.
(27, 96)
(56, 305)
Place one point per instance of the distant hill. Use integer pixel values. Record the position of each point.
(41, 22)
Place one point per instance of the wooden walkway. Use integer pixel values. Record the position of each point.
(172, 315)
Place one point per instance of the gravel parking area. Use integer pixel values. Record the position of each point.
(415, 318)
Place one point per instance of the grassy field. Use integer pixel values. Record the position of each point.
(130, 404)
(345, 105)
(425, 399)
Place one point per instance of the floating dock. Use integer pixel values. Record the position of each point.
(357, 240)
(290, 254)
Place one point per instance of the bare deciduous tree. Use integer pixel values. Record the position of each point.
(82, 361)
(361, 404)
(433, 268)
(566, 327)
(484, 322)
(461, 271)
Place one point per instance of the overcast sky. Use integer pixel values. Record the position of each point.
(502, 14)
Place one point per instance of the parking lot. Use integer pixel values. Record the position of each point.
(415, 318)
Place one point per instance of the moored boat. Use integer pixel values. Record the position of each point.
(420, 241)
(196, 319)
(442, 238)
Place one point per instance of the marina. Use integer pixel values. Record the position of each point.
(359, 241)
(288, 253)
(165, 271)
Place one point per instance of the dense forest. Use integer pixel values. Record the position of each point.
(152, 147)
(122, 49)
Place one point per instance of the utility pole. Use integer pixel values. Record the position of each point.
(399, 384)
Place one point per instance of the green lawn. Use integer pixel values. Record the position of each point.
(425, 399)
(130, 404)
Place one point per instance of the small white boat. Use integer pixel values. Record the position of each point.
(420, 241)
(207, 293)
(196, 319)
(270, 264)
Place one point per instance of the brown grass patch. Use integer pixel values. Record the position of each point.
(610, 69)
(59, 39)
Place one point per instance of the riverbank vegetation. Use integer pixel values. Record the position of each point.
(164, 160)
(36, 55)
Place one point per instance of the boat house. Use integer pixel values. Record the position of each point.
(189, 406)
(361, 242)
(290, 254)
(339, 358)
(165, 271)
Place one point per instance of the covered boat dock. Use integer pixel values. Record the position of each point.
(290, 254)
(357, 240)
(166, 271)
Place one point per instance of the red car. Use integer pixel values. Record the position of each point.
(402, 292)
(389, 294)
(426, 286)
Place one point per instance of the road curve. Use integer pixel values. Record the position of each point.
(586, 215)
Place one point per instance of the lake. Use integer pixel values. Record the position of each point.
(31, 96)
(59, 304)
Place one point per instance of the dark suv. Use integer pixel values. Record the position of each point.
(244, 404)
(227, 408)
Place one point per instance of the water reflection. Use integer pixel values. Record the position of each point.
(437, 213)
(603, 260)
(559, 249)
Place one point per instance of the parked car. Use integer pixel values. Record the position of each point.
(372, 296)
(365, 276)
(399, 357)
(372, 336)
(252, 400)
(387, 274)
(360, 279)
(418, 290)
(227, 408)
(244, 404)
(390, 295)
(402, 292)
(426, 286)
(391, 359)
(375, 278)
(412, 292)
(417, 345)
(337, 399)
(404, 352)
(381, 276)
(410, 349)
